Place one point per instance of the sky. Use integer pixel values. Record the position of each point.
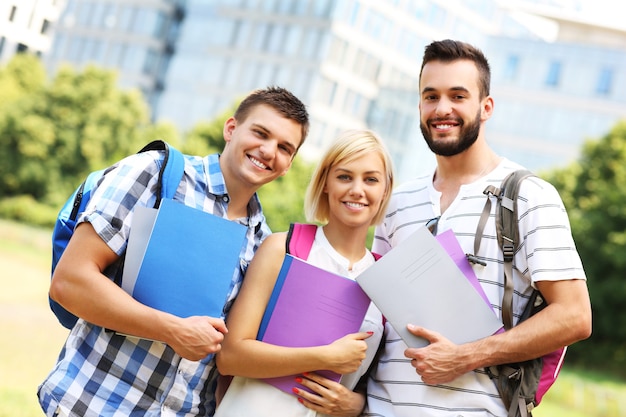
(610, 11)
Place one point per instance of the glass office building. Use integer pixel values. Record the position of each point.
(355, 63)
(25, 26)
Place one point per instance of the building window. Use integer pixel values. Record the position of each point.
(150, 63)
(127, 18)
(85, 12)
(277, 39)
(21, 48)
(326, 92)
(605, 80)
(322, 8)
(554, 74)
(310, 47)
(511, 67)
(293, 39)
(45, 26)
(355, 104)
(12, 13)
(2, 41)
(260, 32)
(160, 27)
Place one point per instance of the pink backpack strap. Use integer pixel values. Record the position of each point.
(300, 239)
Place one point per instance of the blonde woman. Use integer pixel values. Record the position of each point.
(348, 193)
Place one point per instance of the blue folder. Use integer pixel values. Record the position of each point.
(182, 260)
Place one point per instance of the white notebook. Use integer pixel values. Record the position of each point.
(417, 282)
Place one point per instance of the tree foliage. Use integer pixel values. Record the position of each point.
(207, 136)
(53, 133)
(22, 75)
(594, 191)
(283, 198)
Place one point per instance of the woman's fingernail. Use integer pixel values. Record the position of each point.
(299, 380)
(295, 390)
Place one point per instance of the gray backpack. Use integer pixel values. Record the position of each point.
(521, 385)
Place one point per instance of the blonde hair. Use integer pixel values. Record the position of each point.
(350, 145)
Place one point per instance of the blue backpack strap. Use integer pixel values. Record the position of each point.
(170, 175)
(300, 239)
(171, 172)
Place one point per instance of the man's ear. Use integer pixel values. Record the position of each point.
(229, 127)
(487, 108)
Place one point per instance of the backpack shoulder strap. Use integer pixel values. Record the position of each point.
(300, 239)
(508, 236)
(507, 232)
(171, 172)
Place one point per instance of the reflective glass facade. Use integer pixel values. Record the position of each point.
(355, 63)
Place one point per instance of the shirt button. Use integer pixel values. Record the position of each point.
(225, 199)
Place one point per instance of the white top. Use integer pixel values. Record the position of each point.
(248, 397)
(547, 253)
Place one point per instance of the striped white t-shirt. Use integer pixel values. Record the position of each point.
(547, 252)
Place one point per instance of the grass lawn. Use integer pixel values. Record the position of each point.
(31, 338)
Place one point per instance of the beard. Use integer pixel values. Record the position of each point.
(467, 137)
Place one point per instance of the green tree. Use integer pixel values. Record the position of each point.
(166, 131)
(594, 191)
(22, 75)
(208, 136)
(283, 198)
(53, 135)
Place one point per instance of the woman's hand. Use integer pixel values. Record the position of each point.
(329, 397)
(346, 354)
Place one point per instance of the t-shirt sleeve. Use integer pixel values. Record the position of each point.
(545, 229)
(127, 184)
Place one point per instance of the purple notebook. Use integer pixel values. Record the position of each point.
(310, 306)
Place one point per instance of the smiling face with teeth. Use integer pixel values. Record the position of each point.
(355, 190)
(452, 110)
(259, 148)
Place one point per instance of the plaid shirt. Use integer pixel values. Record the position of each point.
(101, 373)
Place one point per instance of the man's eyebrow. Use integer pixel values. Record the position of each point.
(268, 132)
(261, 127)
(455, 88)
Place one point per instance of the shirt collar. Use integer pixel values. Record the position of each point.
(217, 187)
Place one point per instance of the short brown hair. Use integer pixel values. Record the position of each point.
(281, 100)
(450, 50)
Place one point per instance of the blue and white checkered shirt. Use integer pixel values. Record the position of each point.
(102, 373)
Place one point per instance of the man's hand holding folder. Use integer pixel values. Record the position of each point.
(419, 283)
(180, 260)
